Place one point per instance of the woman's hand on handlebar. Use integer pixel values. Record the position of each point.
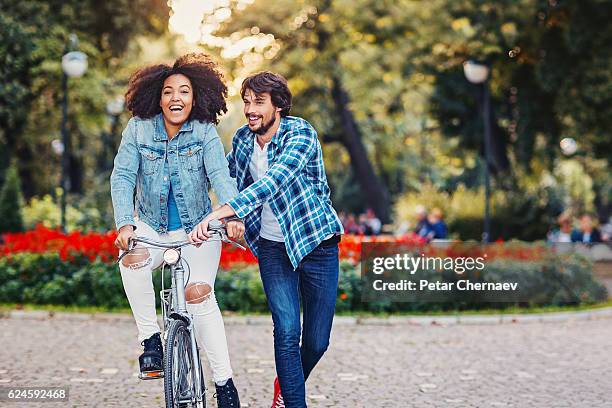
(126, 233)
(200, 233)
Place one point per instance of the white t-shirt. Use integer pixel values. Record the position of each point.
(564, 237)
(270, 228)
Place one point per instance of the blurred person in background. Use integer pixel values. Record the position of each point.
(351, 226)
(564, 232)
(606, 231)
(373, 222)
(364, 226)
(423, 227)
(587, 233)
(437, 225)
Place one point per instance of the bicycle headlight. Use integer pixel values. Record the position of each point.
(171, 256)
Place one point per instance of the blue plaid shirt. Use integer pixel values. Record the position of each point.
(295, 187)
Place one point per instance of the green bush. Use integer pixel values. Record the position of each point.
(80, 215)
(556, 280)
(525, 214)
(47, 279)
(241, 290)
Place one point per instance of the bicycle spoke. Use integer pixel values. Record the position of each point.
(176, 371)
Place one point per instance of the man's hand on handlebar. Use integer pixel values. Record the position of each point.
(200, 232)
(126, 233)
(235, 229)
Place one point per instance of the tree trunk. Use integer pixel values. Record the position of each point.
(375, 192)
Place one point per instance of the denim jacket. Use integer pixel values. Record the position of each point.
(147, 162)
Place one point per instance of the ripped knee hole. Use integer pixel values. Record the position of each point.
(137, 258)
(197, 292)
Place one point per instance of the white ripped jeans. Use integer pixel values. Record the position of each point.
(208, 322)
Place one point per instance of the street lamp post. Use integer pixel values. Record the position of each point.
(478, 73)
(74, 65)
(114, 108)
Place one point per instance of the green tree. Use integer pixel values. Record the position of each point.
(537, 71)
(34, 34)
(319, 42)
(11, 202)
(16, 61)
(550, 79)
(384, 67)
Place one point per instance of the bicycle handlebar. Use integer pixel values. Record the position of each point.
(215, 227)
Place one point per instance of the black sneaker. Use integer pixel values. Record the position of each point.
(151, 360)
(227, 395)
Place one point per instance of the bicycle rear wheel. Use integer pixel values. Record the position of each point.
(179, 375)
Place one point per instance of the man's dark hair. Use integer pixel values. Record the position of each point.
(274, 84)
(209, 90)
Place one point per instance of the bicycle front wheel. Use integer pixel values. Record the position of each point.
(179, 375)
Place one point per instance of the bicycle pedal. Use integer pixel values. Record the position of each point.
(151, 375)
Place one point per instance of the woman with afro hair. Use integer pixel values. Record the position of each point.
(169, 153)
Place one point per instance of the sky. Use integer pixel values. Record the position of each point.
(197, 21)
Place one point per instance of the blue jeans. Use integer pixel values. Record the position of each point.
(315, 281)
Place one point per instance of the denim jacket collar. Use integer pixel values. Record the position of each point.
(160, 129)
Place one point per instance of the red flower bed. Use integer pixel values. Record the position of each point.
(91, 244)
(350, 245)
(232, 255)
(42, 239)
(350, 248)
(94, 244)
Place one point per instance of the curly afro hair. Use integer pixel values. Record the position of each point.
(209, 90)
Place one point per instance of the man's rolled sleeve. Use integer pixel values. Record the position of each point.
(241, 208)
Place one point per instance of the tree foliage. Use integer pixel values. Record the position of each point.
(33, 37)
(401, 66)
(381, 80)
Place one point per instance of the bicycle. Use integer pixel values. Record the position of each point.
(184, 384)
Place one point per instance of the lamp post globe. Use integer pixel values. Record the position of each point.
(475, 72)
(74, 64)
(568, 146)
(114, 107)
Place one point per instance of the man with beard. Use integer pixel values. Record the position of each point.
(291, 227)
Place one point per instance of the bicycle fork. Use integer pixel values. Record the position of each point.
(178, 281)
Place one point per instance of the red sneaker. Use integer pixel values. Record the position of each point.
(278, 397)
